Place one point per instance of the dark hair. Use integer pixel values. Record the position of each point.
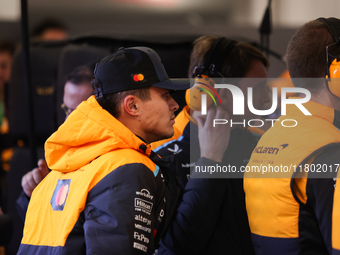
(237, 63)
(6, 46)
(111, 102)
(46, 24)
(306, 54)
(81, 75)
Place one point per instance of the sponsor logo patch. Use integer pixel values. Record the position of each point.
(60, 194)
(140, 247)
(138, 77)
(144, 193)
(175, 150)
(143, 219)
(144, 205)
(270, 150)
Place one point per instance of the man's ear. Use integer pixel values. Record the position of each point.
(131, 105)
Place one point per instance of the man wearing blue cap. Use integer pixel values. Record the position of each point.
(108, 193)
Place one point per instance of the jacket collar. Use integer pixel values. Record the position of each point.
(88, 133)
(317, 110)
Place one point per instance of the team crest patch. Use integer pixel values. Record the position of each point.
(60, 195)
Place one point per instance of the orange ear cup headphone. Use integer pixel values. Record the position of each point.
(214, 60)
(193, 96)
(333, 78)
(333, 68)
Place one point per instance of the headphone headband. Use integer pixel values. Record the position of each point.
(215, 57)
(333, 26)
(332, 66)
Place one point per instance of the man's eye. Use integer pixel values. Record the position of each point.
(166, 94)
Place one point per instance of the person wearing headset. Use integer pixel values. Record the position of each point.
(290, 212)
(211, 218)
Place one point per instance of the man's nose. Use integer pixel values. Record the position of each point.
(173, 105)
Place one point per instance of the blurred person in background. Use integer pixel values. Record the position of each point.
(7, 50)
(6, 56)
(50, 30)
(77, 88)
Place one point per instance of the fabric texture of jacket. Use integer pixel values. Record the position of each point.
(211, 219)
(336, 217)
(106, 193)
(288, 196)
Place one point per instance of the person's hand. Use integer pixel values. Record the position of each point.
(30, 180)
(213, 140)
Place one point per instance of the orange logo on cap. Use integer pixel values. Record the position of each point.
(138, 77)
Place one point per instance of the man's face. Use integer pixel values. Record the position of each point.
(157, 116)
(74, 95)
(5, 67)
(260, 91)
